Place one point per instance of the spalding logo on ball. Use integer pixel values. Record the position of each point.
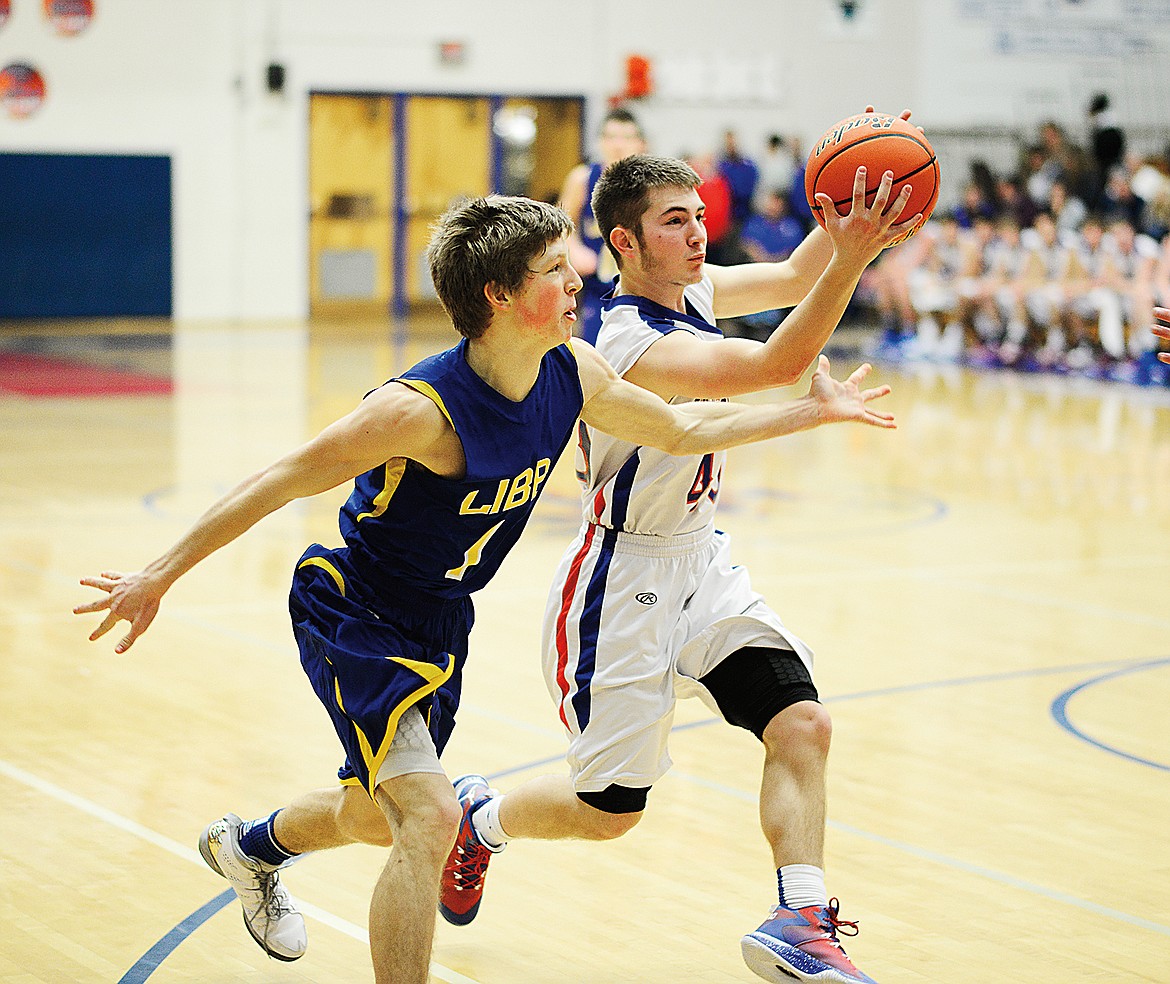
(882, 143)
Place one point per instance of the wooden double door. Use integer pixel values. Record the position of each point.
(383, 167)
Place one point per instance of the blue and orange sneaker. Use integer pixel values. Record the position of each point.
(462, 885)
(802, 944)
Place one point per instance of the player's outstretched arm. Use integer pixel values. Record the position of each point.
(633, 414)
(1162, 330)
(392, 422)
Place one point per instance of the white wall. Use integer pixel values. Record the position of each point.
(186, 78)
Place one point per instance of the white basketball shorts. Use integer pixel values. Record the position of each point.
(632, 623)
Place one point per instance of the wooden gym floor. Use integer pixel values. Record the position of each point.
(987, 590)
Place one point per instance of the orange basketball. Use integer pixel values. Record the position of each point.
(882, 143)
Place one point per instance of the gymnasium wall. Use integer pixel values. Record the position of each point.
(187, 80)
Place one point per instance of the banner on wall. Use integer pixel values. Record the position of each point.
(69, 17)
(22, 90)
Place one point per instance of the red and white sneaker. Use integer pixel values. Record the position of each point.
(802, 944)
(461, 889)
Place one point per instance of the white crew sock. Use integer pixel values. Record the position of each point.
(486, 823)
(802, 885)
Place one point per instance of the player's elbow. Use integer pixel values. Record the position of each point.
(686, 438)
(781, 375)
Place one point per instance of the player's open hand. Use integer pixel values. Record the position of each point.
(128, 597)
(868, 229)
(846, 400)
(1162, 330)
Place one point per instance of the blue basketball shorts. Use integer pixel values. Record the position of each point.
(367, 667)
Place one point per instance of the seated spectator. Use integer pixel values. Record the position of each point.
(772, 233)
(1094, 311)
(975, 286)
(1118, 200)
(1068, 210)
(975, 205)
(1151, 183)
(777, 169)
(1040, 172)
(1014, 201)
(934, 295)
(1128, 271)
(1037, 297)
(768, 237)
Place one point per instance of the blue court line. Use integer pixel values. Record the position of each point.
(149, 962)
(1059, 710)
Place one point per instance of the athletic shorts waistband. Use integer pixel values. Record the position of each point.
(650, 545)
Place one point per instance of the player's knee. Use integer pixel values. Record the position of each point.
(429, 824)
(804, 728)
(599, 825)
(611, 812)
(360, 820)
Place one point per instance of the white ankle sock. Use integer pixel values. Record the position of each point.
(802, 885)
(486, 823)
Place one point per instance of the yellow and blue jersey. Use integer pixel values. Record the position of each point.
(383, 622)
(447, 537)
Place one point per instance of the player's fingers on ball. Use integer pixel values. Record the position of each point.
(909, 226)
(899, 205)
(859, 178)
(885, 186)
(827, 206)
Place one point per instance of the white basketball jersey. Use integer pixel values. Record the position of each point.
(640, 489)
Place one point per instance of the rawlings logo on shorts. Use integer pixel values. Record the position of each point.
(646, 597)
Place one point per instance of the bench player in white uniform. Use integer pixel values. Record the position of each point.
(646, 605)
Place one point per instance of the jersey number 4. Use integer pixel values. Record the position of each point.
(706, 482)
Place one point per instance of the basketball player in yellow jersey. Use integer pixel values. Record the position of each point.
(447, 461)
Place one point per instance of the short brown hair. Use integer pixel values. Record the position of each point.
(485, 241)
(622, 193)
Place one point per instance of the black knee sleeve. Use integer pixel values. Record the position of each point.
(617, 799)
(754, 684)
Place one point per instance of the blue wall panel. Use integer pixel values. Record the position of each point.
(84, 235)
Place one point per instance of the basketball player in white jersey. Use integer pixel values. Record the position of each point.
(646, 605)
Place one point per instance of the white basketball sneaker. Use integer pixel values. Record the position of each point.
(269, 911)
